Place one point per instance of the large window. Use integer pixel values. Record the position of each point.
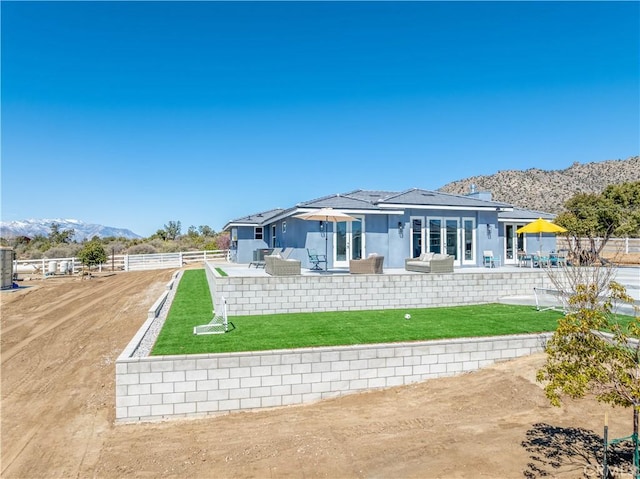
(435, 235)
(468, 239)
(416, 237)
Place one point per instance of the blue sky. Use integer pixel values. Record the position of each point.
(134, 114)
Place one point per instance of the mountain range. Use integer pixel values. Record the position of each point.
(545, 190)
(82, 230)
(535, 189)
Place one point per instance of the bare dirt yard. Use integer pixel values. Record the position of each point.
(61, 337)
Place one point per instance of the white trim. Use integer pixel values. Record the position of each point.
(235, 225)
(422, 234)
(351, 211)
(474, 246)
(428, 234)
(450, 208)
(516, 225)
(349, 239)
(519, 220)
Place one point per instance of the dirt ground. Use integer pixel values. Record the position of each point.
(60, 339)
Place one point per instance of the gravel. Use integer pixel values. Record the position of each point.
(149, 339)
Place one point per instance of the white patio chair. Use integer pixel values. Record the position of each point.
(489, 260)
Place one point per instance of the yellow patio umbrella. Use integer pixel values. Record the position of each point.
(541, 226)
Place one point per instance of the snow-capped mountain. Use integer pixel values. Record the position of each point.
(33, 227)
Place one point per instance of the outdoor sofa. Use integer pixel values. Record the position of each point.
(430, 263)
(277, 266)
(370, 265)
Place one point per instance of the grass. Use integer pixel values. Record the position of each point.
(192, 306)
(221, 272)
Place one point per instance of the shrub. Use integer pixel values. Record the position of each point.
(92, 254)
(142, 249)
(59, 252)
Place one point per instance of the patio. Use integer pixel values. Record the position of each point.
(241, 270)
(252, 291)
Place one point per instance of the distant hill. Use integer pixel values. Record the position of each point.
(547, 191)
(33, 227)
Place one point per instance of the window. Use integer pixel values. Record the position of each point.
(416, 237)
(258, 233)
(468, 240)
(284, 227)
(273, 236)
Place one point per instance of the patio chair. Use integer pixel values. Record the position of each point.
(276, 266)
(543, 259)
(489, 260)
(371, 265)
(430, 263)
(524, 259)
(559, 259)
(315, 259)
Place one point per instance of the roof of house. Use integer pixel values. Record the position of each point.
(384, 201)
(418, 197)
(520, 214)
(256, 219)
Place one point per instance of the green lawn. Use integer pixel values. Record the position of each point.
(192, 306)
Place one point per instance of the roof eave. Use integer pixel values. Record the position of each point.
(449, 207)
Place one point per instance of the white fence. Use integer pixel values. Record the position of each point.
(122, 262)
(614, 245)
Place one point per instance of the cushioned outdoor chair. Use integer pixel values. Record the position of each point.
(371, 265)
(276, 266)
(430, 263)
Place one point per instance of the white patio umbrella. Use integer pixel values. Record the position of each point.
(326, 215)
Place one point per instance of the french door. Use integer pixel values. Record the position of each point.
(435, 235)
(348, 242)
(513, 243)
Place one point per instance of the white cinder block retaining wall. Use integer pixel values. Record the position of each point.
(154, 388)
(296, 294)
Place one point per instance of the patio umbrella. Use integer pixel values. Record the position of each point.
(541, 226)
(326, 215)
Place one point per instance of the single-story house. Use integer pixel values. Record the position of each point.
(396, 225)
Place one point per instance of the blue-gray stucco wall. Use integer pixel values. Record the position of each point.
(382, 236)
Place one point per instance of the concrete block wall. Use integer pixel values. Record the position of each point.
(155, 388)
(295, 294)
